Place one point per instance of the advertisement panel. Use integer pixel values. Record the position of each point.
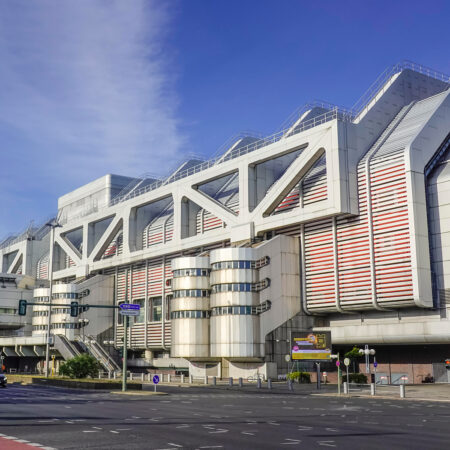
(311, 346)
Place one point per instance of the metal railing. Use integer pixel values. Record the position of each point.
(333, 112)
(315, 121)
(31, 232)
(365, 100)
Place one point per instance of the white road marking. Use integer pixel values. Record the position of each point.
(90, 431)
(273, 423)
(219, 430)
(302, 428)
(291, 442)
(174, 445)
(246, 432)
(97, 428)
(113, 431)
(334, 429)
(212, 446)
(183, 426)
(326, 443)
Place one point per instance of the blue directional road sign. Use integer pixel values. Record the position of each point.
(129, 309)
(155, 379)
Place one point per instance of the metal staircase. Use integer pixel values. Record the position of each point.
(66, 349)
(90, 344)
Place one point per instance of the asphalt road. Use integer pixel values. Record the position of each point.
(202, 418)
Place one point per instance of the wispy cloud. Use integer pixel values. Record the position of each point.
(87, 89)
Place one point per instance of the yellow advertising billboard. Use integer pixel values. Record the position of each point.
(311, 346)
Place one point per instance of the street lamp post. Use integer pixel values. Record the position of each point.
(53, 224)
(367, 352)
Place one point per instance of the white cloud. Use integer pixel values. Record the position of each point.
(87, 90)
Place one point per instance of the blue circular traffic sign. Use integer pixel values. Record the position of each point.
(375, 364)
(155, 379)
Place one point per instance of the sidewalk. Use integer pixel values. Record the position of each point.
(422, 392)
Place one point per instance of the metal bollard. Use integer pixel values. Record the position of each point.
(269, 383)
(214, 381)
(241, 382)
(402, 391)
(372, 388)
(345, 387)
(206, 379)
(131, 376)
(182, 379)
(290, 385)
(114, 375)
(168, 377)
(191, 379)
(99, 374)
(258, 383)
(109, 374)
(149, 377)
(230, 381)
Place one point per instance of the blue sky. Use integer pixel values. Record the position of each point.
(102, 86)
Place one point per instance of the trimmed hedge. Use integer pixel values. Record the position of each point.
(357, 378)
(300, 377)
(86, 384)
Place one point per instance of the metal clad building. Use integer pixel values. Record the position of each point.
(340, 222)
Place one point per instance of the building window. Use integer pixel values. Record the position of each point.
(190, 314)
(233, 310)
(141, 317)
(155, 309)
(191, 273)
(168, 300)
(191, 293)
(232, 287)
(233, 265)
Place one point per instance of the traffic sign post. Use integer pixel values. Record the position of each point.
(125, 348)
(155, 381)
(347, 363)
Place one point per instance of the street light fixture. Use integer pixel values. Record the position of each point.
(52, 224)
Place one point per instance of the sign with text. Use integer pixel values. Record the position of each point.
(130, 309)
(307, 346)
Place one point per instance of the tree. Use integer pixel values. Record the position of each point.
(81, 366)
(353, 355)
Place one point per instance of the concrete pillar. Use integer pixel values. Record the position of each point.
(258, 383)
(402, 391)
(109, 374)
(206, 379)
(290, 385)
(191, 379)
(142, 376)
(269, 383)
(230, 381)
(214, 382)
(168, 378)
(372, 388)
(241, 383)
(182, 379)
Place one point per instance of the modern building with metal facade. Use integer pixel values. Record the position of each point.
(339, 222)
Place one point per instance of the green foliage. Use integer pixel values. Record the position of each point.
(300, 377)
(353, 353)
(358, 378)
(82, 366)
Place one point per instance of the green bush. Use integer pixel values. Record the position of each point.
(300, 377)
(358, 378)
(82, 366)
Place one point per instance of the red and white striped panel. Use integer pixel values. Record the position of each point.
(311, 189)
(115, 247)
(42, 267)
(391, 237)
